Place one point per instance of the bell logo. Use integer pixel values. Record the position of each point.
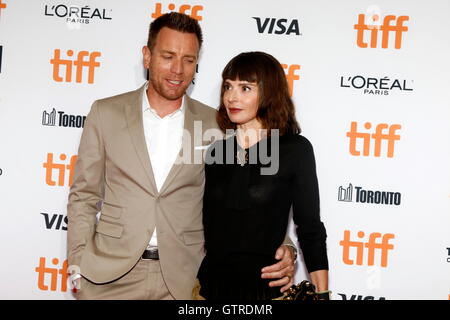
(61, 168)
(386, 27)
(55, 273)
(372, 245)
(291, 76)
(192, 11)
(79, 63)
(378, 137)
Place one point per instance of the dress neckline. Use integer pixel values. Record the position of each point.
(246, 149)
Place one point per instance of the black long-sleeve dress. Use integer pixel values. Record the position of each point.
(245, 217)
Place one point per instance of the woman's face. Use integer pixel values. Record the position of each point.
(241, 101)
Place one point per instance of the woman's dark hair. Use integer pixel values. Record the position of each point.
(275, 107)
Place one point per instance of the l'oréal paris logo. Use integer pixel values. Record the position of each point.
(73, 14)
(376, 86)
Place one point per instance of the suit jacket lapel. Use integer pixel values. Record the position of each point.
(134, 116)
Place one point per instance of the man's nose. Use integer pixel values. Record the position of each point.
(177, 66)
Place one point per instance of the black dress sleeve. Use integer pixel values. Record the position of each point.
(311, 231)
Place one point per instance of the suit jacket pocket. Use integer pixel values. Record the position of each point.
(193, 237)
(111, 210)
(109, 229)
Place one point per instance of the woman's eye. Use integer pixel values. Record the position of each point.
(246, 88)
(226, 87)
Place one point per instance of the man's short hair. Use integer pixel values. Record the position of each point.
(175, 21)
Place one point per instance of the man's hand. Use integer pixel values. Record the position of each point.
(76, 282)
(282, 270)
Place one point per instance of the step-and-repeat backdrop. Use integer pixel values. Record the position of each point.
(370, 81)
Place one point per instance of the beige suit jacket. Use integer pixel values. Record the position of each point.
(113, 175)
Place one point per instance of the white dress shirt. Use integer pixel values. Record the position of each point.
(163, 137)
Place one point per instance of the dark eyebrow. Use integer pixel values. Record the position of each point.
(247, 83)
(173, 53)
(241, 81)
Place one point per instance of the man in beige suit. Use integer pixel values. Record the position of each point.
(148, 241)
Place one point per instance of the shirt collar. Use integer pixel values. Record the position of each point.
(146, 104)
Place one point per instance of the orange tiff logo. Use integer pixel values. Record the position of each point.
(80, 64)
(55, 272)
(291, 76)
(373, 25)
(60, 168)
(378, 137)
(371, 246)
(2, 5)
(192, 11)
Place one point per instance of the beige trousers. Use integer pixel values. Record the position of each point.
(143, 282)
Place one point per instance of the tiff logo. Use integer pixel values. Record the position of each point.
(372, 245)
(192, 11)
(291, 76)
(277, 26)
(2, 6)
(378, 137)
(60, 168)
(58, 218)
(79, 64)
(55, 273)
(373, 25)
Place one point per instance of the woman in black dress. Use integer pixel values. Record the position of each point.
(247, 198)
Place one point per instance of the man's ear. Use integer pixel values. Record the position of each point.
(146, 56)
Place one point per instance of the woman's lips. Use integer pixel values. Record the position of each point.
(234, 110)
